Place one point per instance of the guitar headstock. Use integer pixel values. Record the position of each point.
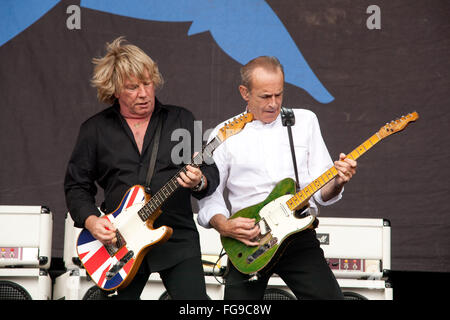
(397, 125)
(234, 127)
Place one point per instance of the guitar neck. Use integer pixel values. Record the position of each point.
(300, 199)
(172, 185)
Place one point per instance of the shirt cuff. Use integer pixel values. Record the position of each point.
(319, 200)
(80, 215)
(204, 216)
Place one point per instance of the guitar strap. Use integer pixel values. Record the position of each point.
(288, 120)
(151, 167)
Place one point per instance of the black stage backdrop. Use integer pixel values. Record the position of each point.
(372, 75)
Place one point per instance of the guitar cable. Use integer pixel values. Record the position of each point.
(223, 271)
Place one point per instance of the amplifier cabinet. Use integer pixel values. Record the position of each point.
(353, 289)
(356, 248)
(25, 236)
(71, 234)
(25, 284)
(358, 289)
(75, 284)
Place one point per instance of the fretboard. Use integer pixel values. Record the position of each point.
(300, 199)
(157, 200)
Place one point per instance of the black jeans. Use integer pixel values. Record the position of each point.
(302, 267)
(184, 281)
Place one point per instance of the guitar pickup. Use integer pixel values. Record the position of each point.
(261, 250)
(119, 265)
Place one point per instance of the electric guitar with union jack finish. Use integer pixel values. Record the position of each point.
(114, 266)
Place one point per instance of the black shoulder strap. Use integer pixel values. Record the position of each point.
(151, 167)
(288, 120)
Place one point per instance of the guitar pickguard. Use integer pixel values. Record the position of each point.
(281, 220)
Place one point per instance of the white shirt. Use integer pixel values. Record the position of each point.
(253, 161)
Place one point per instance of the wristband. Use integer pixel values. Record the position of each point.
(200, 186)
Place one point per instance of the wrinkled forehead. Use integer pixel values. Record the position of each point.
(266, 80)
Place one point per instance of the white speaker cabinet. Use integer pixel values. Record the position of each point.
(356, 248)
(25, 236)
(25, 284)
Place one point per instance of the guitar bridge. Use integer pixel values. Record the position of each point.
(261, 250)
(114, 248)
(264, 230)
(264, 227)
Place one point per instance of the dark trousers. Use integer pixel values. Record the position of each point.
(184, 281)
(302, 267)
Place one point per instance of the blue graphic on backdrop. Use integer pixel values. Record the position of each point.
(17, 15)
(242, 29)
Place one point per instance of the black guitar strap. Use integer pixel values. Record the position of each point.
(288, 120)
(151, 167)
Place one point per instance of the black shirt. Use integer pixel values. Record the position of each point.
(106, 154)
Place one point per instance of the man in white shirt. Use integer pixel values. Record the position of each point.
(251, 163)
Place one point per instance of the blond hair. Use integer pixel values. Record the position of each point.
(119, 63)
(265, 62)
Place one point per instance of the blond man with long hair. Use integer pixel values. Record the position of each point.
(113, 151)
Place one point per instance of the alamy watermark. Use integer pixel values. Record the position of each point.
(182, 152)
(73, 21)
(373, 22)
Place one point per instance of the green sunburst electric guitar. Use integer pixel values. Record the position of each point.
(284, 213)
